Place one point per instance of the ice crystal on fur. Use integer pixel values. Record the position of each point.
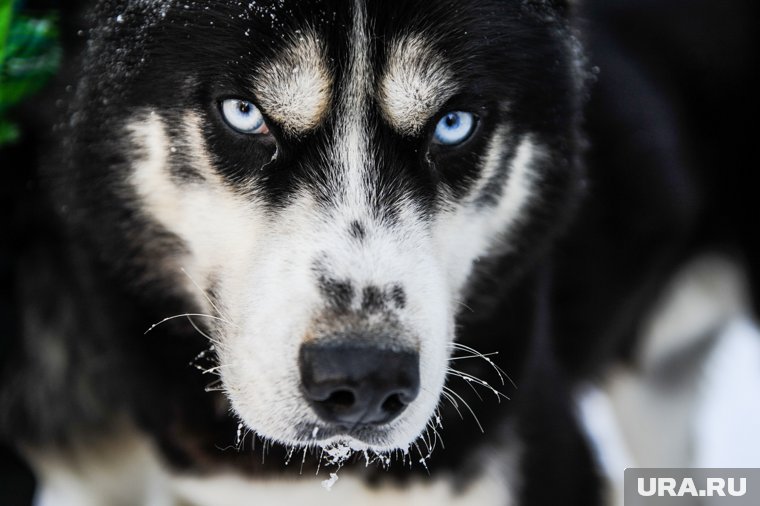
(337, 453)
(328, 484)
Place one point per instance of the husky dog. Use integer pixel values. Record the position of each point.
(360, 239)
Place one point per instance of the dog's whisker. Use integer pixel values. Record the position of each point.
(204, 334)
(319, 461)
(437, 434)
(423, 458)
(215, 369)
(469, 384)
(184, 315)
(431, 440)
(291, 449)
(214, 386)
(462, 357)
(238, 438)
(469, 379)
(475, 353)
(461, 303)
(466, 405)
(203, 353)
(424, 438)
(303, 460)
(205, 295)
(453, 402)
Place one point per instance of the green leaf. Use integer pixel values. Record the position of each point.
(29, 57)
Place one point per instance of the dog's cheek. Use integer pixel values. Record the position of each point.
(487, 220)
(218, 228)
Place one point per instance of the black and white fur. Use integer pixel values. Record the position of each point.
(175, 267)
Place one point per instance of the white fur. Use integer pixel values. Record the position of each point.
(351, 149)
(415, 84)
(466, 233)
(219, 227)
(294, 88)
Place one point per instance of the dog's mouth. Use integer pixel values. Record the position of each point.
(360, 437)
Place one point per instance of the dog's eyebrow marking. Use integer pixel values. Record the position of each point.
(415, 84)
(295, 87)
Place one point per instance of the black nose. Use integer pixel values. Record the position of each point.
(351, 384)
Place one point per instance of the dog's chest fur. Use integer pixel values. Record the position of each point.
(128, 471)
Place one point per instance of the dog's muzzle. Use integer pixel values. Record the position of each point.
(353, 384)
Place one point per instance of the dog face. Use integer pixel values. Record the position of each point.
(332, 174)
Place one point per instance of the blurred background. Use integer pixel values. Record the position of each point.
(30, 54)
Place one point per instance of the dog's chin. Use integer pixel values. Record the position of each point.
(373, 440)
(366, 438)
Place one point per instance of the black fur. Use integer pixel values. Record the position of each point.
(656, 172)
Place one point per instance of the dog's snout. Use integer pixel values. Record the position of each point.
(352, 384)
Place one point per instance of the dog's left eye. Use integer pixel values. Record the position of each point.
(454, 128)
(243, 116)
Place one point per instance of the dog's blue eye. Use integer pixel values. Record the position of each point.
(243, 116)
(454, 128)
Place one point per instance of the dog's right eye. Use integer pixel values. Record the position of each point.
(454, 128)
(244, 117)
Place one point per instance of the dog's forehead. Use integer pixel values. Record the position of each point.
(397, 64)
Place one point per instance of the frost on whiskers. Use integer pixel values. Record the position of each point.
(334, 455)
